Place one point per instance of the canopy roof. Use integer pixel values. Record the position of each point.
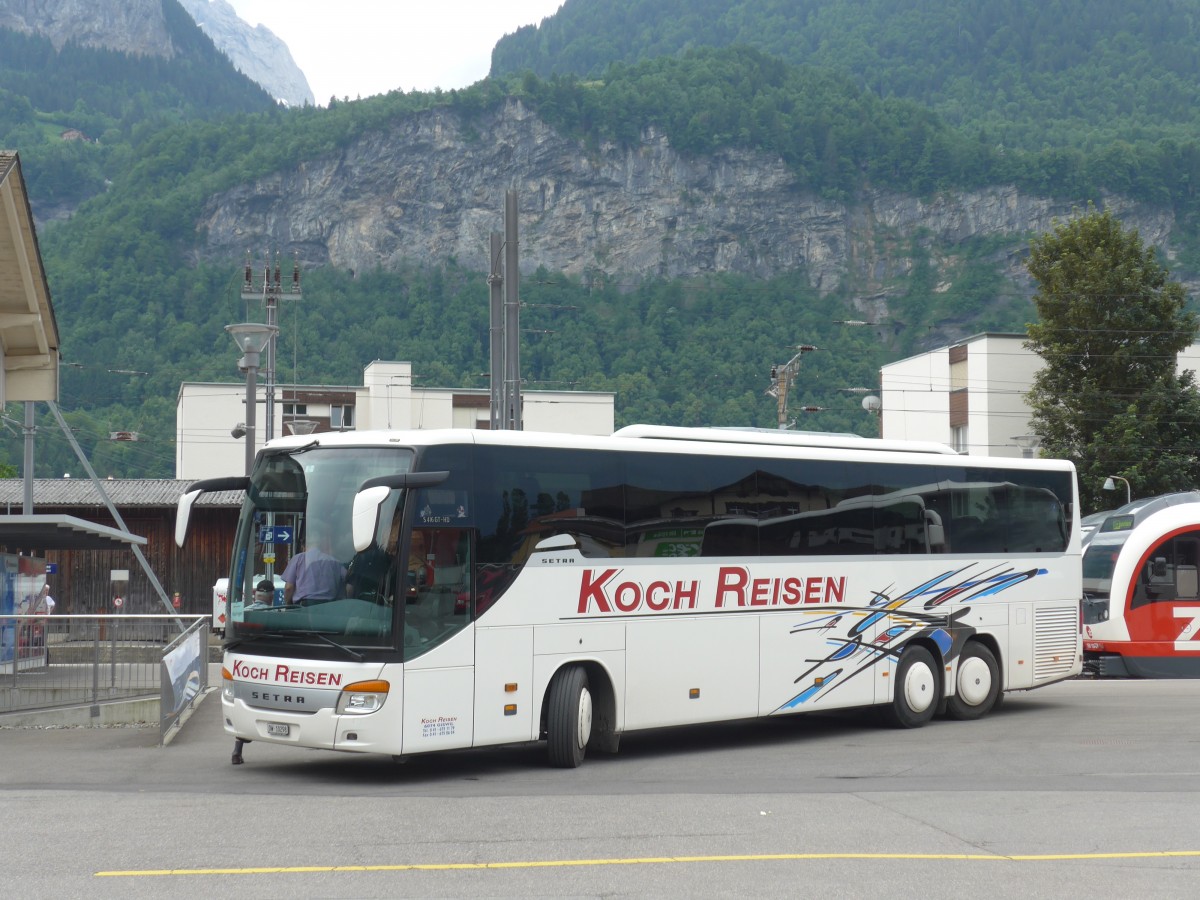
(28, 332)
(57, 532)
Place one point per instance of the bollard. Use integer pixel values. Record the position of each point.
(94, 712)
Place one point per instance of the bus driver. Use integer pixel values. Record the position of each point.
(314, 573)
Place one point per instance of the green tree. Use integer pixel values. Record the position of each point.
(1111, 327)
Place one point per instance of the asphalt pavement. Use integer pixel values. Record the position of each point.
(1078, 788)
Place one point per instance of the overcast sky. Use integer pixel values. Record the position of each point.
(358, 48)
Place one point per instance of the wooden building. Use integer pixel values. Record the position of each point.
(83, 582)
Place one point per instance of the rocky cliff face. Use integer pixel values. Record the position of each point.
(256, 52)
(431, 188)
(131, 26)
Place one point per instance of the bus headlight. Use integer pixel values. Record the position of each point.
(362, 697)
(226, 685)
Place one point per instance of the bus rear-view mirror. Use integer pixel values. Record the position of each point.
(364, 517)
(183, 510)
(365, 511)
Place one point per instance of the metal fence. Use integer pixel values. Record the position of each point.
(72, 660)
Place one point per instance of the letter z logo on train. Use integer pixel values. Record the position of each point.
(602, 592)
(1187, 637)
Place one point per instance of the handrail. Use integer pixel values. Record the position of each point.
(57, 661)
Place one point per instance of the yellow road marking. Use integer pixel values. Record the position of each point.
(654, 860)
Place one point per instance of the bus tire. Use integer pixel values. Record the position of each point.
(568, 717)
(976, 684)
(918, 689)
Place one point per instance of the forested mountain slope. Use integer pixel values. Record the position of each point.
(1017, 73)
(675, 277)
(111, 92)
(686, 222)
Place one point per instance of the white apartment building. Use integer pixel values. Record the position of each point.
(970, 395)
(209, 415)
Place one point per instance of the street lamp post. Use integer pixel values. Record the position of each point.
(1028, 443)
(271, 290)
(1110, 484)
(251, 339)
(872, 404)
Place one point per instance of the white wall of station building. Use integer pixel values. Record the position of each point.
(970, 395)
(206, 413)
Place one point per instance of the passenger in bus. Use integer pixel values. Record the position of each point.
(264, 593)
(420, 570)
(370, 575)
(314, 574)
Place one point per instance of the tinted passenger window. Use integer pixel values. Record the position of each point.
(526, 494)
(992, 513)
(842, 509)
(684, 505)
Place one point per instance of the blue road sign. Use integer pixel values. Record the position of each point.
(276, 535)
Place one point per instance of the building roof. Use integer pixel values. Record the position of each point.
(983, 335)
(125, 493)
(28, 331)
(62, 533)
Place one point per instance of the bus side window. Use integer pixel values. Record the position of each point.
(529, 494)
(438, 603)
(735, 538)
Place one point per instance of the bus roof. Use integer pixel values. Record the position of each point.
(780, 438)
(662, 438)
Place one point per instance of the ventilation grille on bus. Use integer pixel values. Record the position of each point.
(1055, 642)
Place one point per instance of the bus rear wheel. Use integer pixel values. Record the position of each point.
(977, 684)
(568, 718)
(918, 689)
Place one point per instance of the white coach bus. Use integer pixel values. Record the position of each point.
(502, 587)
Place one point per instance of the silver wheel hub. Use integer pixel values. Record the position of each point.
(918, 687)
(583, 731)
(974, 681)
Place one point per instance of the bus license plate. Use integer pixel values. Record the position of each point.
(278, 729)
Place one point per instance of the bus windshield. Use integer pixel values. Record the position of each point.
(296, 577)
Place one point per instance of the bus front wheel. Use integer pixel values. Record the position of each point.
(918, 689)
(977, 684)
(568, 717)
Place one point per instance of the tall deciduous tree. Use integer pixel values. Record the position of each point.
(1111, 327)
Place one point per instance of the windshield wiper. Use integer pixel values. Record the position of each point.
(287, 635)
(303, 448)
(322, 636)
